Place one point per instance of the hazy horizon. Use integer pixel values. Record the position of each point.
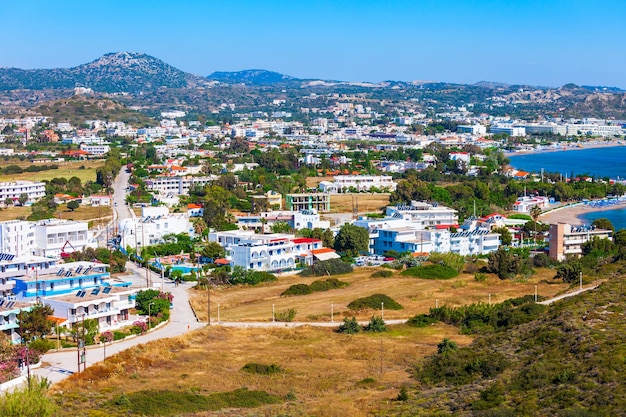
(528, 43)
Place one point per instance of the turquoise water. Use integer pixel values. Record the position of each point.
(601, 162)
(184, 269)
(598, 162)
(617, 217)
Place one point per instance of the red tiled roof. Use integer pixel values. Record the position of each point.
(305, 240)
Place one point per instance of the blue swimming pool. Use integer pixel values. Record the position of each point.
(184, 269)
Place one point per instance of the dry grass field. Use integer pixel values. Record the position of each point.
(325, 373)
(98, 216)
(367, 203)
(66, 170)
(313, 182)
(414, 294)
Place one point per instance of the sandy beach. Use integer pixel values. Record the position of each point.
(571, 213)
(569, 147)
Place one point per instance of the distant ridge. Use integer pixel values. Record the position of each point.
(112, 72)
(250, 77)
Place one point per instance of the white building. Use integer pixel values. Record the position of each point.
(263, 252)
(150, 228)
(426, 215)
(55, 236)
(508, 130)
(271, 252)
(303, 219)
(343, 183)
(96, 150)
(17, 237)
(178, 185)
(526, 203)
(472, 129)
(13, 190)
(415, 240)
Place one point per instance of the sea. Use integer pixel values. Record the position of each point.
(597, 162)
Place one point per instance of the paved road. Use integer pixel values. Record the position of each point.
(120, 209)
(57, 366)
(569, 294)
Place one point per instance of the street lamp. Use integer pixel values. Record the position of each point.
(149, 305)
(28, 360)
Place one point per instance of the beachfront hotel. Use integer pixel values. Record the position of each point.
(567, 240)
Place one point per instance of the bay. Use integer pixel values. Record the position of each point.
(597, 162)
(617, 217)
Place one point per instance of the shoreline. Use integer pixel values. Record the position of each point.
(571, 214)
(568, 147)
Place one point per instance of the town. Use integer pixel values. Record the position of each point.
(103, 221)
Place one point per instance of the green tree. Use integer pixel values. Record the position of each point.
(603, 223)
(73, 205)
(36, 323)
(213, 250)
(569, 272)
(281, 227)
(328, 238)
(351, 240)
(505, 263)
(8, 201)
(349, 326)
(505, 235)
(23, 198)
(376, 325)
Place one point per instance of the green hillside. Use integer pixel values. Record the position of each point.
(78, 109)
(569, 362)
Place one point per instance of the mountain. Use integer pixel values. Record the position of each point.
(251, 77)
(113, 72)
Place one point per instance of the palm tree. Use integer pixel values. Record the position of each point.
(535, 212)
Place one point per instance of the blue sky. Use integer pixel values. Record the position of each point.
(546, 42)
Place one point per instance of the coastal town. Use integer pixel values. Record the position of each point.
(138, 244)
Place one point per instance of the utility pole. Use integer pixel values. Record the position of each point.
(208, 299)
(84, 358)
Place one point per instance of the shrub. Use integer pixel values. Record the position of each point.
(330, 267)
(139, 327)
(262, 369)
(433, 271)
(541, 260)
(421, 320)
(286, 315)
(480, 277)
(328, 284)
(376, 325)
(249, 277)
(484, 318)
(445, 346)
(298, 289)
(154, 403)
(41, 345)
(374, 302)
(349, 326)
(382, 274)
(320, 285)
(403, 395)
(117, 335)
(451, 260)
(28, 401)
